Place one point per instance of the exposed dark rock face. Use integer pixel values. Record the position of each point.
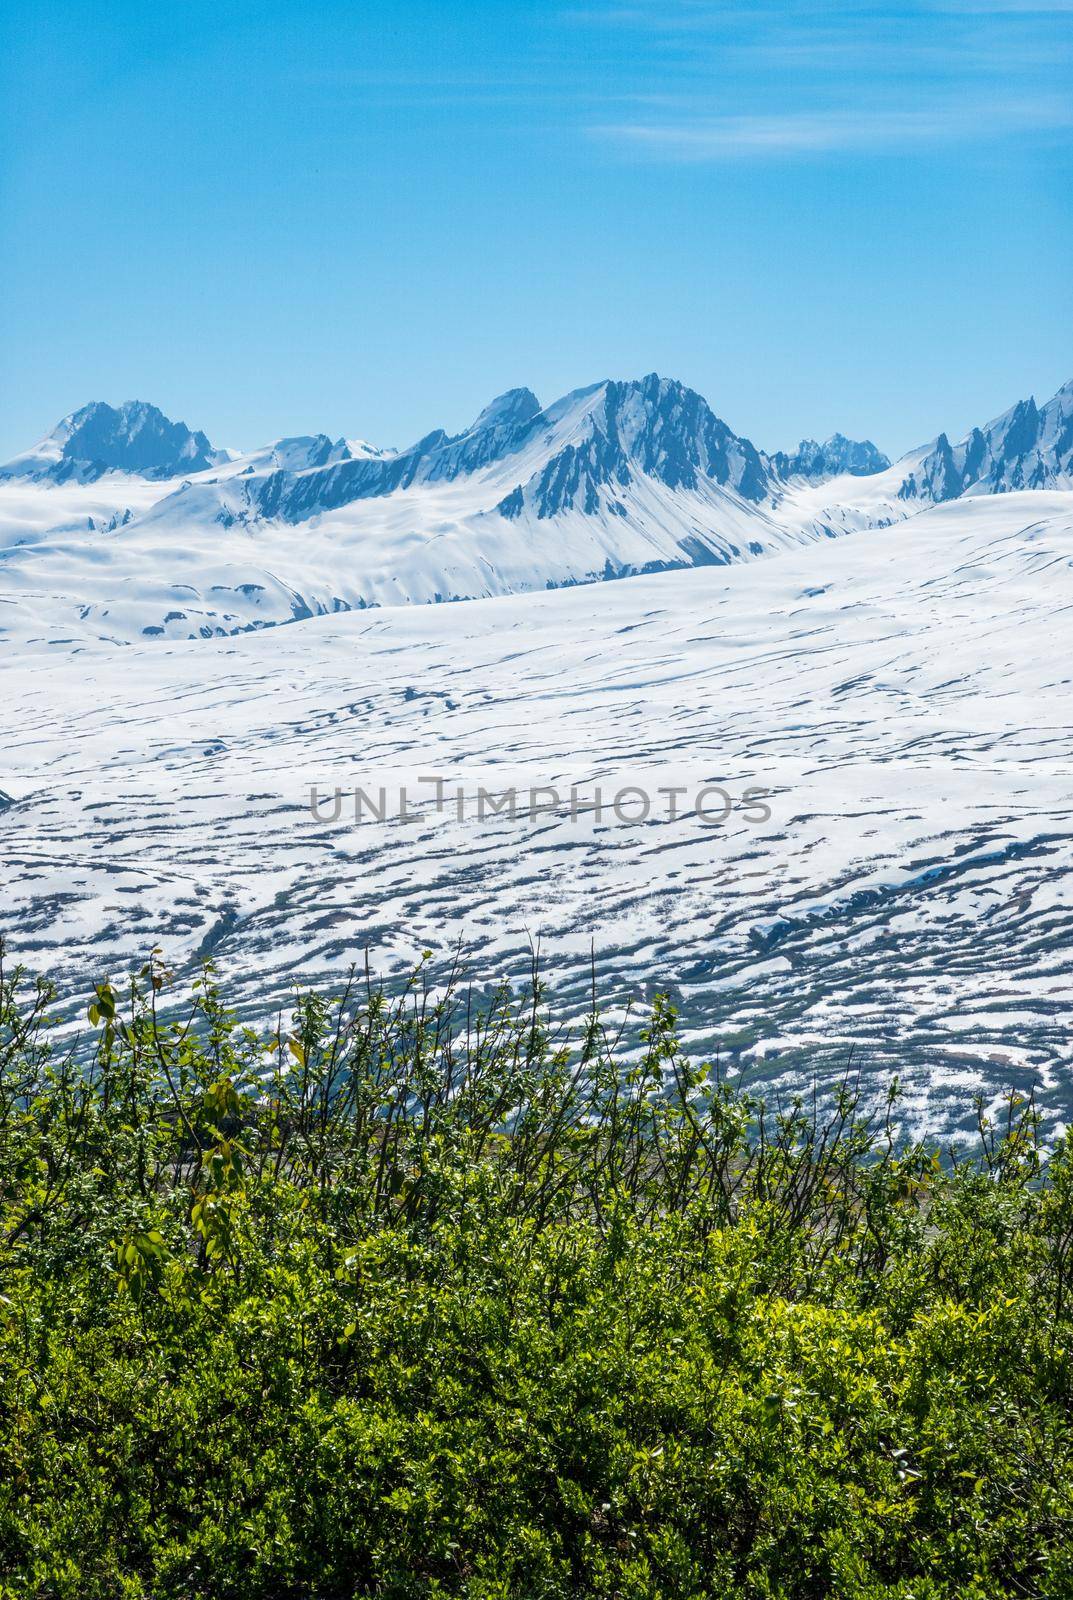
(1028, 447)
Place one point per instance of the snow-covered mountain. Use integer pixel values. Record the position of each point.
(122, 523)
(609, 481)
(816, 462)
(134, 438)
(1028, 447)
(578, 454)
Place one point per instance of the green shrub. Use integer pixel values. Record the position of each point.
(415, 1298)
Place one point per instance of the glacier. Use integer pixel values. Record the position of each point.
(879, 647)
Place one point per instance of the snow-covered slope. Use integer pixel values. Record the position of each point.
(907, 906)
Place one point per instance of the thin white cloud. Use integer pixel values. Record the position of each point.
(726, 137)
(697, 15)
(1027, 45)
(1003, 8)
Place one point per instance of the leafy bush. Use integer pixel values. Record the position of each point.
(421, 1298)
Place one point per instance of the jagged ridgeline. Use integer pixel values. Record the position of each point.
(591, 437)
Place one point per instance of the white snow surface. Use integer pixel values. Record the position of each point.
(903, 691)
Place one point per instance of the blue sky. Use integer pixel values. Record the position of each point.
(368, 219)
